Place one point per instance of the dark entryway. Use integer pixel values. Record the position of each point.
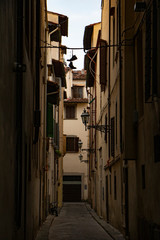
(71, 188)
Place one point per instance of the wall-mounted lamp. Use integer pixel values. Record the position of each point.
(81, 158)
(80, 143)
(85, 119)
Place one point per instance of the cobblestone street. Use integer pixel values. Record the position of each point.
(75, 222)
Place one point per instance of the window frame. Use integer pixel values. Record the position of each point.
(73, 147)
(68, 115)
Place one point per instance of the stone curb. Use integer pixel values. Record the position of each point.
(113, 232)
(44, 229)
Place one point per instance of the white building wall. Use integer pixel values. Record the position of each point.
(75, 127)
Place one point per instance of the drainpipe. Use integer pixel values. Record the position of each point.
(37, 104)
(120, 76)
(109, 78)
(19, 89)
(125, 161)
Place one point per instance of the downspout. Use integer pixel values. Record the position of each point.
(120, 76)
(19, 94)
(125, 161)
(95, 121)
(37, 104)
(95, 144)
(109, 78)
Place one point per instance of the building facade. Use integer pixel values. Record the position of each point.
(123, 81)
(56, 83)
(75, 172)
(22, 123)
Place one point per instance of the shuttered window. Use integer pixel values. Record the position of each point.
(77, 92)
(70, 111)
(148, 55)
(112, 137)
(105, 136)
(103, 64)
(50, 120)
(157, 148)
(154, 50)
(151, 52)
(72, 144)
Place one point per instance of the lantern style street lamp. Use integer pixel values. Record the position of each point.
(85, 119)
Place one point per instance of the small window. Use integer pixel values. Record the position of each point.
(72, 144)
(112, 137)
(103, 64)
(157, 148)
(115, 186)
(105, 135)
(143, 177)
(70, 111)
(77, 92)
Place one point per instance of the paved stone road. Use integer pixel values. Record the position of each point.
(76, 223)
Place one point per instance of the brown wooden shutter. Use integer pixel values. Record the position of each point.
(76, 144)
(70, 111)
(157, 148)
(148, 55)
(154, 49)
(103, 64)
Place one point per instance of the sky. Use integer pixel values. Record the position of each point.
(80, 14)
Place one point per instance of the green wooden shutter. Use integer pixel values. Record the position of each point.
(50, 120)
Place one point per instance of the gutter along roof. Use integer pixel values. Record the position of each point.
(76, 100)
(63, 21)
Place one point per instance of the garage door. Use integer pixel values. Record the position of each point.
(71, 188)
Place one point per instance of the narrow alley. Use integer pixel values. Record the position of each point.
(75, 222)
(80, 120)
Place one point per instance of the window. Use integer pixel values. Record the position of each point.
(157, 148)
(50, 120)
(110, 183)
(105, 135)
(72, 144)
(148, 55)
(116, 125)
(77, 92)
(113, 38)
(70, 111)
(143, 177)
(112, 137)
(103, 64)
(140, 74)
(115, 186)
(151, 52)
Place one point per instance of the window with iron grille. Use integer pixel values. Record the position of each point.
(70, 111)
(72, 144)
(112, 137)
(77, 92)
